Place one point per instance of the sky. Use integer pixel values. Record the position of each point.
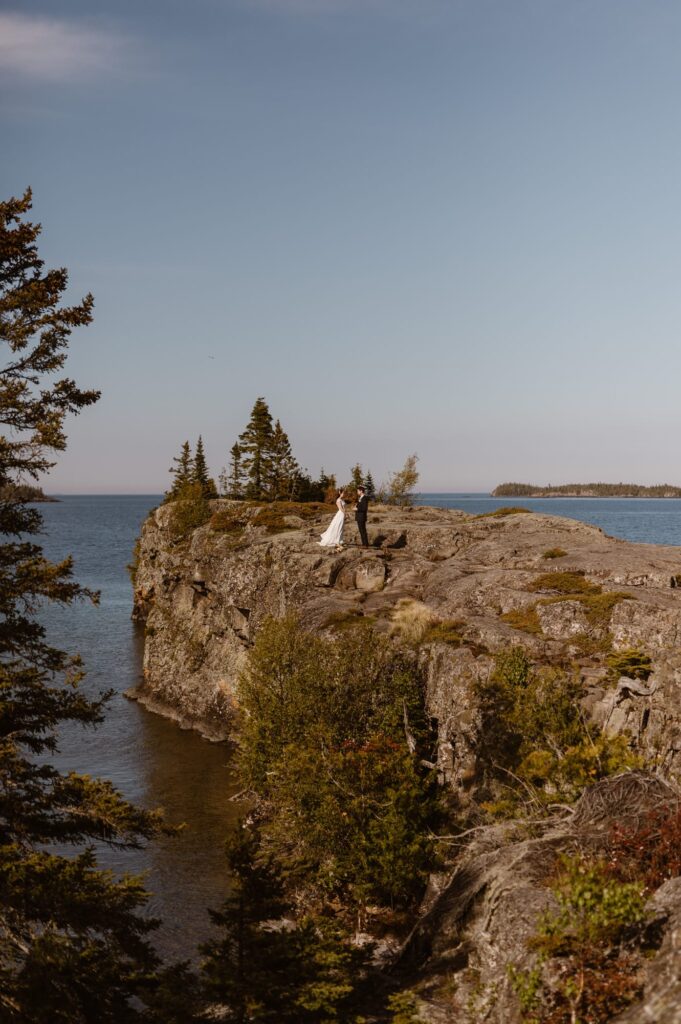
(449, 227)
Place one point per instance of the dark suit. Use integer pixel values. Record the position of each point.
(361, 519)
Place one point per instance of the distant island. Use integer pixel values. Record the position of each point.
(23, 492)
(514, 490)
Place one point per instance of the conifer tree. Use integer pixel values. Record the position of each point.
(357, 479)
(200, 473)
(182, 470)
(73, 946)
(285, 469)
(255, 445)
(370, 486)
(235, 473)
(259, 973)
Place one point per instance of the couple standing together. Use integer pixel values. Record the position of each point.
(333, 536)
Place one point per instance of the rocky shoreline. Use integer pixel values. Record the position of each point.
(563, 590)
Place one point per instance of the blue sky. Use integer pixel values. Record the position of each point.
(413, 225)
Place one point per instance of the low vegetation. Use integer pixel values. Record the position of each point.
(539, 746)
(189, 510)
(497, 513)
(524, 619)
(554, 553)
(333, 741)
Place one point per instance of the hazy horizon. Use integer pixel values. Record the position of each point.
(445, 226)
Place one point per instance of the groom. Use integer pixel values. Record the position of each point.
(361, 509)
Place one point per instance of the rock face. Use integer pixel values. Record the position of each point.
(202, 600)
(562, 589)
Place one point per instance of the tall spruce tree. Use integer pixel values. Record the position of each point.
(73, 946)
(370, 486)
(255, 444)
(235, 487)
(285, 469)
(357, 478)
(182, 470)
(200, 474)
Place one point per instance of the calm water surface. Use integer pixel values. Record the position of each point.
(151, 760)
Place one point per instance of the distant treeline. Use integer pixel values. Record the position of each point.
(23, 492)
(620, 490)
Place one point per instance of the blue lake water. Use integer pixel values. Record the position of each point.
(150, 759)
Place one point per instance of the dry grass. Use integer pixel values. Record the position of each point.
(524, 619)
(412, 619)
(564, 583)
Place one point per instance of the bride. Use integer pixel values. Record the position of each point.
(333, 536)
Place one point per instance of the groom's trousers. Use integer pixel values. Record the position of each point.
(362, 527)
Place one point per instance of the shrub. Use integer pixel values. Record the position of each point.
(586, 942)
(554, 553)
(650, 851)
(323, 744)
(536, 734)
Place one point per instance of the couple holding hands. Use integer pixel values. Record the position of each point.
(333, 536)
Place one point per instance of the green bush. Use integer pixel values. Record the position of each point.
(323, 744)
(588, 937)
(554, 553)
(537, 739)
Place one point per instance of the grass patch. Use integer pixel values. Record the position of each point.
(597, 607)
(412, 619)
(510, 510)
(573, 586)
(525, 619)
(632, 663)
(564, 583)
(446, 632)
(348, 618)
(554, 553)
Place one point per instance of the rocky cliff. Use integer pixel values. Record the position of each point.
(566, 591)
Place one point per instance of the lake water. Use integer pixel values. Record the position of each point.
(150, 759)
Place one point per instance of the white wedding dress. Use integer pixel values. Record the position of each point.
(333, 536)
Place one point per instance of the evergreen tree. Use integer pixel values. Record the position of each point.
(73, 946)
(232, 481)
(200, 473)
(255, 445)
(182, 470)
(370, 486)
(285, 469)
(357, 479)
(260, 972)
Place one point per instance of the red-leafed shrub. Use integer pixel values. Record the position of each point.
(651, 852)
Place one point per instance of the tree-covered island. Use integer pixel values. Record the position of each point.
(515, 490)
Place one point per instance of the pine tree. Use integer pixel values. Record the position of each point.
(73, 946)
(259, 973)
(182, 470)
(200, 473)
(285, 469)
(370, 486)
(255, 444)
(232, 481)
(357, 479)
